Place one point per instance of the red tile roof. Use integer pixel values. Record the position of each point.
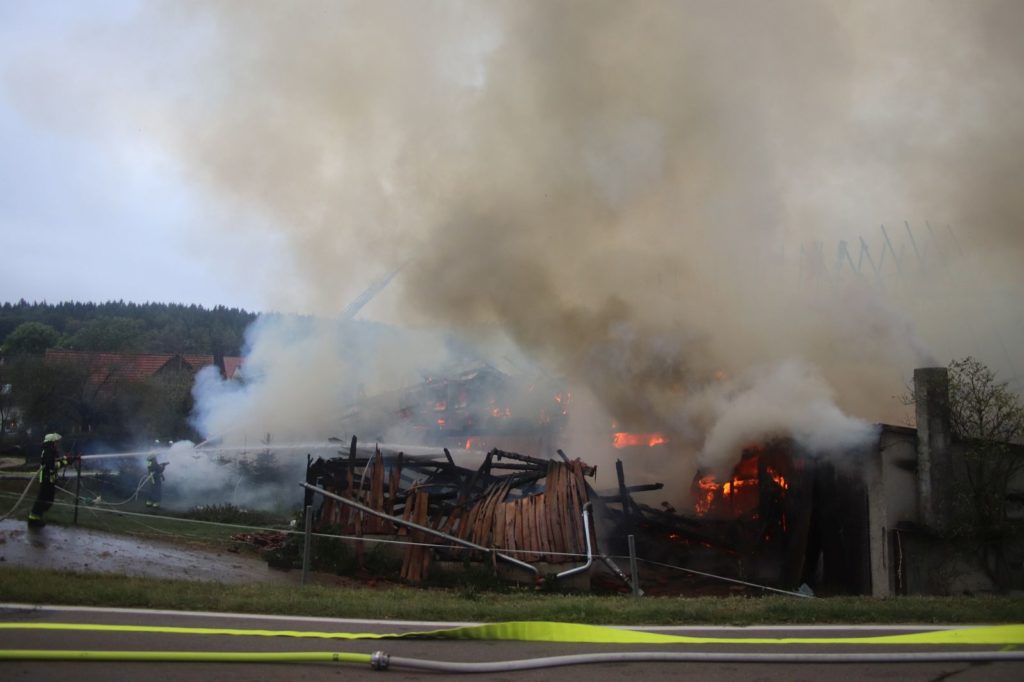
(232, 363)
(104, 367)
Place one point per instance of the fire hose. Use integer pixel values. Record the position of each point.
(24, 492)
(1002, 635)
(99, 500)
(382, 661)
(1011, 635)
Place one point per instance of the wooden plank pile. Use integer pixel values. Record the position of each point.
(524, 506)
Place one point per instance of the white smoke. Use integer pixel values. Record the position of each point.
(211, 477)
(299, 373)
(790, 400)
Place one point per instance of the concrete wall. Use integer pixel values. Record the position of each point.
(912, 478)
(891, 478)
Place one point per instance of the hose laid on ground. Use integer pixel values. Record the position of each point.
(184, 656)
(578, 633)
(98, 500)
(23, 493)
(992, 635)
(382, 661)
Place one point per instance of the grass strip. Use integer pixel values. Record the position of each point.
(37, 586)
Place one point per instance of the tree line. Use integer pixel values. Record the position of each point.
(38, 396)
(120, 327)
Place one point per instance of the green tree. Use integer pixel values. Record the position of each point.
(32, 338)
(110, 334)
(988, 419)
(50, 395)
(987, 423)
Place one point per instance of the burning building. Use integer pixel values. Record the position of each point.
(879, 519)
(869, 521)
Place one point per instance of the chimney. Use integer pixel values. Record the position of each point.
(218, 361)
(934, 461)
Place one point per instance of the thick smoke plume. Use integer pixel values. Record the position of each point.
(623, 190)
(620, 187)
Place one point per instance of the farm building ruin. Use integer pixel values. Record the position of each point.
(866, 522)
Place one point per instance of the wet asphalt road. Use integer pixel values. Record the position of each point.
(432, 650)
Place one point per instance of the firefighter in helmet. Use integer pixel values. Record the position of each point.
(53, 461)
(154, 481)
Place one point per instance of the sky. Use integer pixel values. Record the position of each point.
(640, 196)
(93, 208)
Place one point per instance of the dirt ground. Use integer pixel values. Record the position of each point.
(90, 551)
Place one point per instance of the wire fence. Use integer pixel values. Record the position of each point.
(96, 510)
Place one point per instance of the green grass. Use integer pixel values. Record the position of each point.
(136, 520)
(25, 585)
(465, 598)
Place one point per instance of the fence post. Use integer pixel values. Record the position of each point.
(634, 579)
(307, 545)
(78, 486)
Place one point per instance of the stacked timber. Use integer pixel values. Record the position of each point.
(529, 508)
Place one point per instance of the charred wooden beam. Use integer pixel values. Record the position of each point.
(452, 468)
(613, 495)
(502, 454)
(518, 467)
(472, 480)
(624, 497)
(520, 480)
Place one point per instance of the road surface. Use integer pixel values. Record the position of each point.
(477, 651)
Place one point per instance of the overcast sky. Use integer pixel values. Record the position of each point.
(91, 207)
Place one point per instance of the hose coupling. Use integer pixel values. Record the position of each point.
(379, 660)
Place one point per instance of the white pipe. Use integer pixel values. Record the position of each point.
(590, 554)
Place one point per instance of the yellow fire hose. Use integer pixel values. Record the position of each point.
(541, 631)
(183, 656)
(1007, 636)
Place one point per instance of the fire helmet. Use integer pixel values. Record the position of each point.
(51, 438)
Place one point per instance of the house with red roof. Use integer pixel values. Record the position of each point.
(115, 368)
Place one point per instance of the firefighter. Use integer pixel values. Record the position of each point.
(53, 461)
(155, 481)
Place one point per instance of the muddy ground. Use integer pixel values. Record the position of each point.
(89, 551)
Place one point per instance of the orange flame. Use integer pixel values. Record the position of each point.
(622, 439)
(709, 492)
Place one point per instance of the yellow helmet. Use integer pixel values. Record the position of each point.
(51, 438)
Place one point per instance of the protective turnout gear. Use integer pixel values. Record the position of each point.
(51, 464)
(154, 481)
